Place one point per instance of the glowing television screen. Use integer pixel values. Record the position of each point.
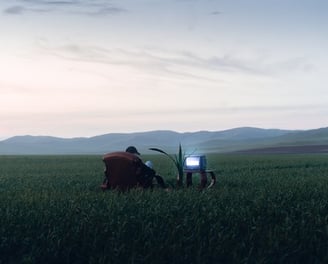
(195, 163)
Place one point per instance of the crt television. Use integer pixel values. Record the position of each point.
(195, 163)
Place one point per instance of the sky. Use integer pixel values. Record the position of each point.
(81, 68)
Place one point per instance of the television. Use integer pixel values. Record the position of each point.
(195, 163)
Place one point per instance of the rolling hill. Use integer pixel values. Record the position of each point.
(244, 139)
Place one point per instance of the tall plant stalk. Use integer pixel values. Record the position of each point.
(178, 160)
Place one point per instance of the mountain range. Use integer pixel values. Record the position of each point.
(242, 140)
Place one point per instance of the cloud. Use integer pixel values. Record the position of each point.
(155, 63)
(80, 7)
(20, 10)
(104, 11)
(181, 64)
(215, 13)
(15, 10)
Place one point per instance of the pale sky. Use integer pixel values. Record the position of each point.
(73, 68)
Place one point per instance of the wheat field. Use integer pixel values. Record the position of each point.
(263, 209)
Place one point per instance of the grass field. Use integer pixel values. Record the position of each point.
(264, 209)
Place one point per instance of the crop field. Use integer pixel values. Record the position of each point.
(263, 209)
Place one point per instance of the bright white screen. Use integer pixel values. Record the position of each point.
(192, 161)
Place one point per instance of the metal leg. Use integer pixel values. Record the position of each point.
(189, 179)
(203, 179)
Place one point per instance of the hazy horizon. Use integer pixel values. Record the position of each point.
(81, 68)
(146, 131)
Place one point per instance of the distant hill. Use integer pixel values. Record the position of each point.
(237, 139)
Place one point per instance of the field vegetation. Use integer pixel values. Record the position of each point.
(264, 209)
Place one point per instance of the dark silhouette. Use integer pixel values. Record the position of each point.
(125, 170)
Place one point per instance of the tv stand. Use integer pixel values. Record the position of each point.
(203, 177)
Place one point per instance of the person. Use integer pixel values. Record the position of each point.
(148, 172)
(132, 150)
(145, 173)
(147, 168)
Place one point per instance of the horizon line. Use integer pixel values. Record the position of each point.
(156, 130)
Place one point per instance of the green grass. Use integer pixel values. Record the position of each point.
(264, 209)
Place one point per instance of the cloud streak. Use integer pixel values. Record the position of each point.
(183, 64)
(20, 10)
(82, 7)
